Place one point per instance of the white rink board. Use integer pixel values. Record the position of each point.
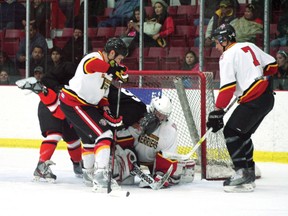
(18, 119)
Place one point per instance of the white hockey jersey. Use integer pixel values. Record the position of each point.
(242, 67)
(164, 138)
(88, 80)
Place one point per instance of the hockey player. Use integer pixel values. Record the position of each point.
(149, 138)
(85, 105)
(53, 124)
(244, 72)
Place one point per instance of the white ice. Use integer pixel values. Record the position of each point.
(19, 196)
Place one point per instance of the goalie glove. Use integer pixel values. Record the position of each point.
(149, 123)
(112, 120)
(215, 120)
(118, 72)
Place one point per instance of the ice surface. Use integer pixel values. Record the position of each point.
(19, 196)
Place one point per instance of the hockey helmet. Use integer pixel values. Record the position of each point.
(117, 45)
(162, 104)
(224, 32)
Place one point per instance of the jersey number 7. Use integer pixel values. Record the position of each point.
(248, 49)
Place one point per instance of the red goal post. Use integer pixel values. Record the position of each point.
(192, 95)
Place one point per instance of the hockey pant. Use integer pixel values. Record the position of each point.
(52, 102)
(243, 122)
(55, 129)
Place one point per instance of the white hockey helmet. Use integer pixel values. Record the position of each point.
(161, 104)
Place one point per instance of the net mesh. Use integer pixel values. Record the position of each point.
(198, 88)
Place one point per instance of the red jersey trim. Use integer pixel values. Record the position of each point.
(71, 99)
(254, 91)
(270, 69)
(225, 94)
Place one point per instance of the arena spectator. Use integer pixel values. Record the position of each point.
(282, 27)
(12, 14)
(4, 77)
(40, 14)
(73, 49)
(121, 14)
(248, 26)
(225, 14)
(95, 8)
(281, 78)
(67, 8)
(7, 64)
(37, 59)
(161, 16)
(36, 39)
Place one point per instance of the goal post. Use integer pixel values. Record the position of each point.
(192, 96)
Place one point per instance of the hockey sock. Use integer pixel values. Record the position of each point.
(88, 156)
(102, 153)
(48, 146)
(236, 148)
(74, 150)
(249, 153)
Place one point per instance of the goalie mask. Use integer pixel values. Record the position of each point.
(161, 107)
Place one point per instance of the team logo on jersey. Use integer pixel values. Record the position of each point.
(103, 122)
(149, 140)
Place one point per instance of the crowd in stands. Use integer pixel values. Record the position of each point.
(175, 42)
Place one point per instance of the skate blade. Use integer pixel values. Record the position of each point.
(79, 175)
(245, 188)
(39, 179)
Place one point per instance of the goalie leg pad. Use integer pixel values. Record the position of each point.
(161, 166)
(186, 170)
(123, 165)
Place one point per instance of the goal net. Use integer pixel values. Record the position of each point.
(192, 99)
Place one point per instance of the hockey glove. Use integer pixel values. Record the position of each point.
(113, 121)
(215, 120)
(118, 72)
(149, 123)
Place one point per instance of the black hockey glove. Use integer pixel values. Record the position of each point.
(215, 120)
(118, 72)
(112, 120)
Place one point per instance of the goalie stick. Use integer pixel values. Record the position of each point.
(202, 139)
(155, 185)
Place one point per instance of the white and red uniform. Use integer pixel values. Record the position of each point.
(164, 138)
(88, 81)
(241, 67)
(148, 149)
(82, 103)
(244, 72)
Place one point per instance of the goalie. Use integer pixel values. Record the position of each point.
(144, 142)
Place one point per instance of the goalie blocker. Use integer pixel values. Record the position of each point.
(183, 171)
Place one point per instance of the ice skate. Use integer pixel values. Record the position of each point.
(31, 84)
(88, 177)
(100, 182)
(43, 171)
(241, 181)
(77, 168)
(251, 171)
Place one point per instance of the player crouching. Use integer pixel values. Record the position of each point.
(152, 136)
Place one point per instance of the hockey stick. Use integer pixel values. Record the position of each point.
(202, 139)
(155, 185)
(113, 145)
